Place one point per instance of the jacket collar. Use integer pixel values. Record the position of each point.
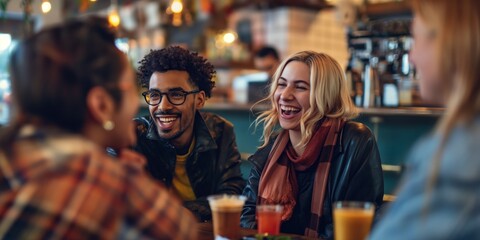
(203, 142)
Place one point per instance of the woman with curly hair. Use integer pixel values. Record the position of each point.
(318, 156)
(195, 154)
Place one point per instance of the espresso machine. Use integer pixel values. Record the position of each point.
(379, 71)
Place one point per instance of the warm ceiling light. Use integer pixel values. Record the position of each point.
(46, 6)
(114, 18)
(93, 0)
(177, 6)
(229, 37)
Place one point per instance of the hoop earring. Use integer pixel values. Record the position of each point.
(108, 125)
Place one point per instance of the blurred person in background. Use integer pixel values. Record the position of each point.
(193, 153)
(439, 194)
(266, 59)
(318, 156)
(75, 94)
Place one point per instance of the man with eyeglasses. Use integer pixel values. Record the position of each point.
(194, 154)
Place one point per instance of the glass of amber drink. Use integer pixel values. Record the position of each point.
(352, 220)
(269, 218)
(226, 211)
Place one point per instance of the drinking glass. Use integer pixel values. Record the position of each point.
(226, 210)
(269, 218)
(352, 220)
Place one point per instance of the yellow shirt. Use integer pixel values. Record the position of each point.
(181, 183)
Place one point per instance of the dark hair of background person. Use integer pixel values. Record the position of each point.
(267, 51)
(199, 69)
(53, 71)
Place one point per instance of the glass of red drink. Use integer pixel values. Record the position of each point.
(269, 218)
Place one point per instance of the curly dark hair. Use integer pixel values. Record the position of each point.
(199, 69)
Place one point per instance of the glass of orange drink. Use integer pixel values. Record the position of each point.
(352, 220)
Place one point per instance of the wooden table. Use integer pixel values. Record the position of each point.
(205, 232)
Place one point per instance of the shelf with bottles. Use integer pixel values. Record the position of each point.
(391, 26)
(382, 28)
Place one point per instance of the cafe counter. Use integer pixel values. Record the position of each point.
(396, 130)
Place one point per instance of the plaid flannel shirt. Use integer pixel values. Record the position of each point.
(60, 186)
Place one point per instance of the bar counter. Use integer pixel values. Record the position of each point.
(396, 131)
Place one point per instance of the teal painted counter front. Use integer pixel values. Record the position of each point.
(395, 131)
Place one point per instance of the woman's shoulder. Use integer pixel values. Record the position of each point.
(357, 127)
(259, 158)
(356, 131)
(461, 147)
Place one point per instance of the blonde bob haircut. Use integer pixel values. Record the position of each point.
(329, 96)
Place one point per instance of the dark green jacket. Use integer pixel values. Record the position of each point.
(212, 168)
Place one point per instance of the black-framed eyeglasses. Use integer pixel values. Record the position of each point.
(153, 97)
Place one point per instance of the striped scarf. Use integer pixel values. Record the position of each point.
(278, 183)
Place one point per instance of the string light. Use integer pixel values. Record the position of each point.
(229, 37)
(46, 6)
(177, 6)
(113, 17)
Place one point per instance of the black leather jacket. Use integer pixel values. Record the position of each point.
(212, 168)
(355, 174)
